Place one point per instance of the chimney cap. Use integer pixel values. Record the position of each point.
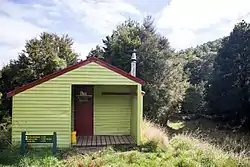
(133, 57)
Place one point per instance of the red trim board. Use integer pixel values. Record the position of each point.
(70, 68)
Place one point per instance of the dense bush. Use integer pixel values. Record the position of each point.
(5, 133)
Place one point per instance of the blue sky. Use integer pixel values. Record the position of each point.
(185, 23)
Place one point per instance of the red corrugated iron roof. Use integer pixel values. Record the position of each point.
(70, 68)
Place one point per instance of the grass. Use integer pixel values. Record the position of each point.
(158, 149)
(41, 157)
(154, 133)
(228, 140)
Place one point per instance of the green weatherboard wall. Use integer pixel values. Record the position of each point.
(112, 113)
(47, 107)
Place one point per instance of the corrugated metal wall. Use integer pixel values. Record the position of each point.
(112, 113)
(47, 107)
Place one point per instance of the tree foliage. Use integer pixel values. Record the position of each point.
(230, 91)
(97, 52)
(212, 78)
(42, 56)
(199, 67)
(200, 61)
(156, 64)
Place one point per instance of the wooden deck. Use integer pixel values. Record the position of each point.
(94, 141)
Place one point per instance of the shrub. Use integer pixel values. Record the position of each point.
(5, 132)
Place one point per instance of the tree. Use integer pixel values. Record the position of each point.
(195, 101)
(200, 60)
(97, 52)
(41, 56)
(173, 89)
(48, 53)
(199, 68)
(230, 92)
(156, 64)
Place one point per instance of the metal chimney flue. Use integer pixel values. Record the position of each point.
(133, 64)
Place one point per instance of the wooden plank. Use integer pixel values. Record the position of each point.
(92, 138)
(81, 140)
(126, 141)
(130, 139)
(93, 143)
(78, 143)
(107, 138)
(104, 143)
(112, 140)
(85, 140)
(98, 141)
(121, 140)
(89, 141)
(116, 140)
(77, 137)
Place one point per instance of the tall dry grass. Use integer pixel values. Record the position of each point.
(197, 149)
(152, 132)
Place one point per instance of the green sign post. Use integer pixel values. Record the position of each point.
(25, 139)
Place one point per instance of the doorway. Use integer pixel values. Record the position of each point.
(83, 109)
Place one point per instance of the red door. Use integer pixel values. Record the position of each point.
(83, 116)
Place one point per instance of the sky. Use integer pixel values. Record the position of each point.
(186, 23)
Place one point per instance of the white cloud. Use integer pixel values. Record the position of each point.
(15, 31)
(23, 21)
(7, 53)
(101, 15)
(195, 21)
(83, 49)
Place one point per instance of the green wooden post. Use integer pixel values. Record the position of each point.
(54, 143)
(23, 142)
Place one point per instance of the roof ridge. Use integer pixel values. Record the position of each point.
(70, 68)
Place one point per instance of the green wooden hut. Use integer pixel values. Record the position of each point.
(102, 103)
